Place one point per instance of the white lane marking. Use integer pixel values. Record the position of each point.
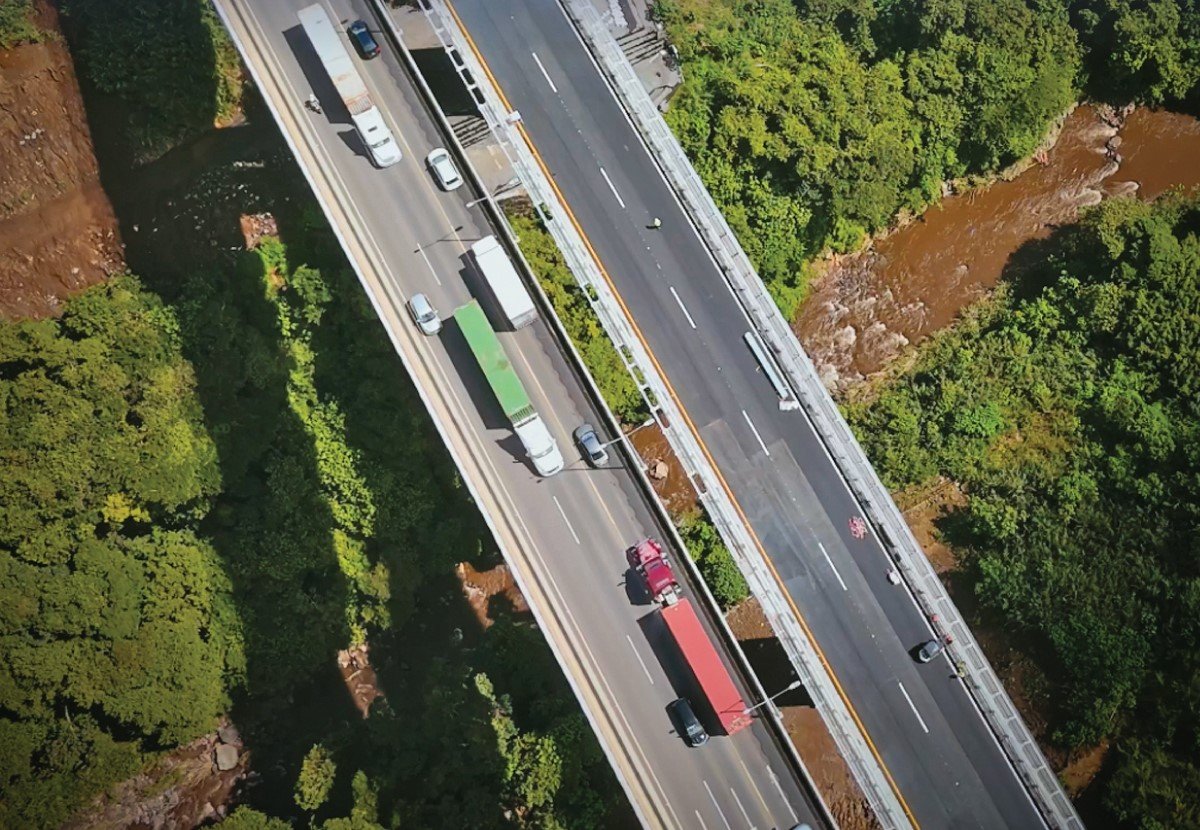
(753, 786)
(756, 435)
(612, 187)
(832, 567)
(775, 780)
(728, 826)
(640, 660)
(913, 706)
(702, 824)
(566, 521)
(746, 815)
(421, 251)
(682, 307)
(546, 75)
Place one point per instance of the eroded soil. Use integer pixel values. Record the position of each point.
(58, 233)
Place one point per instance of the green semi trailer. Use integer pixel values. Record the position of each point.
(509, 391)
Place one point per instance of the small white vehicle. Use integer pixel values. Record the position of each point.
(424, 314)
(443, 169)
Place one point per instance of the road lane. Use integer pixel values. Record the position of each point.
(405, 213)
(954, 775)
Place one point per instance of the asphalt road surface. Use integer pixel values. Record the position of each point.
(581, 519)
(947, 768)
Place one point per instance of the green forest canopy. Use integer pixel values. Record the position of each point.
(1070, 414)
(816, 122)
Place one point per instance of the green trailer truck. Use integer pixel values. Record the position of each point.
(508, 389)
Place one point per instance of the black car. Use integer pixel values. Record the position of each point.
(686, 722)
(364, 41)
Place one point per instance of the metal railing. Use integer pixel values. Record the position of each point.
(897, 539)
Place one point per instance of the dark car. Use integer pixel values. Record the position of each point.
(589, 442)
(364, 41)
(686, 722)
(929, 650)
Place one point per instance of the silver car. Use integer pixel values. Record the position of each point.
(443, 168)
(589, 442)
(424, 314)
(928, 650)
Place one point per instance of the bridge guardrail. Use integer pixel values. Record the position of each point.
(897, 539)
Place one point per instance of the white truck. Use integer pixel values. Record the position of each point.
(506, 285)
(367, 120)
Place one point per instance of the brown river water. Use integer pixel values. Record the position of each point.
(866, 308)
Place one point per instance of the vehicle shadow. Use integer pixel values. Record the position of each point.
(318, 81)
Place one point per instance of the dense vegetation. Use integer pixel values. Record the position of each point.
(117, 616)
(816, 122)
(583, 327)
(169, 64)
(16, 24)
(1070, 413)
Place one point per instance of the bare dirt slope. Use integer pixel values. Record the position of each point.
(58, 233)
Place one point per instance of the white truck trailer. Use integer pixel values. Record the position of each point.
(506, 285)
(367, 120)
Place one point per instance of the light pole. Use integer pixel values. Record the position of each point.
(425, 245)
(508, 185)
(795, 684)
(649, 422)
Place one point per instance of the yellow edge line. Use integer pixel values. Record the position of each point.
(692, 427)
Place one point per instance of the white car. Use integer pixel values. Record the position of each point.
(443, 168)
(424, 314)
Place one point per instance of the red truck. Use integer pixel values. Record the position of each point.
(719, 690)
(649, 560)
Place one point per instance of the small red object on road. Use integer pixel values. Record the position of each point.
(858, 528)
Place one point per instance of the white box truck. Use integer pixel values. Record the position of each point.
(367, 120)
(504, 281)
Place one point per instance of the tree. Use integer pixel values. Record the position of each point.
(316, 778)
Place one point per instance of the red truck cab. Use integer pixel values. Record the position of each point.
(648, 558)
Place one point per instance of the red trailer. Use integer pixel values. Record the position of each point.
(720, 692)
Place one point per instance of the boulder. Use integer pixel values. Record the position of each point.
(227, 757)
(229, 734)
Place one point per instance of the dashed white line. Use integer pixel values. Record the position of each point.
(756, 435)
(701, 820)
(639, 658)
(612, 187)
(545, 74)
(421, 251)
(566, 521)
(775, 780)
(913, 706)
(753, 786)
(746, 815)
(728, 826)
(832, 567)
(682, 307)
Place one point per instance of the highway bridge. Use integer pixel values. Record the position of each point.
(564, 537)
(941, 760)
